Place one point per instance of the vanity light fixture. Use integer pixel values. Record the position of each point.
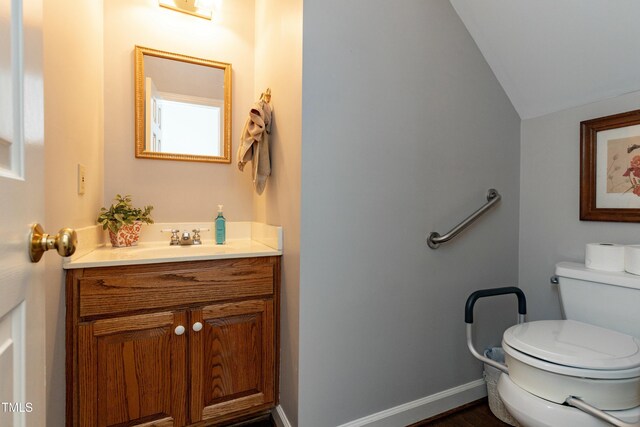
(199, 8)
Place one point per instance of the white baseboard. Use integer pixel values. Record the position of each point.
(411, 412)
(421, 409)
(279, 417)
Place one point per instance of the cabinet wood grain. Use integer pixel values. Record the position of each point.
(232, 359)
(130, 363)
(117, 290)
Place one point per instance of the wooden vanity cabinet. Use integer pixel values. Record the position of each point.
(132, 369)
(175, 344)
(232, 358)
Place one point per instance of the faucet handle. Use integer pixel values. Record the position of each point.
(198, 230)
(196, 236)
(175, 240)
(170, 230)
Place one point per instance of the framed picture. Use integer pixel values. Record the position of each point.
(610, 168)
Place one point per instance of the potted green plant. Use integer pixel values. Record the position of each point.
(124, 221)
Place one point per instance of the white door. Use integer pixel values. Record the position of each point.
(153, 119)
(22, 361)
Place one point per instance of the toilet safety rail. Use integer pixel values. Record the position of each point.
(574, 401)
(435, 239)
(468, 318)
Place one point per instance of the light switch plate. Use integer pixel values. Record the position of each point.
(82, 178)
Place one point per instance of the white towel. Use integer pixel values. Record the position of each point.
(254, 144)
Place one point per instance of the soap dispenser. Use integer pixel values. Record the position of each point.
(221, 227)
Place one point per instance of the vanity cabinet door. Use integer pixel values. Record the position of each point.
(232, 359)
(132, 370)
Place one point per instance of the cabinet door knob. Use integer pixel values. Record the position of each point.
(179, 330)
(197, 326)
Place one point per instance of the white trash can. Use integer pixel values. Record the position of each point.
(491, 377)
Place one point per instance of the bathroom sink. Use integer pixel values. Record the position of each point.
(160, 252)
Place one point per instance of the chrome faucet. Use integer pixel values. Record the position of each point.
(186, 238)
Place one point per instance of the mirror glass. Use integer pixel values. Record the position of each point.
(183, 107)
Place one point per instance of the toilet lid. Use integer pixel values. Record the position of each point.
(575, 344)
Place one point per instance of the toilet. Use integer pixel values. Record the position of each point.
(594, 354)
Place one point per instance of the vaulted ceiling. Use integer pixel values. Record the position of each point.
(550, 55)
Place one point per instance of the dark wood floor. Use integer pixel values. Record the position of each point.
(262, 421)
(474, 414)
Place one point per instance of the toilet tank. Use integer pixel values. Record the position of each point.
(601, 298)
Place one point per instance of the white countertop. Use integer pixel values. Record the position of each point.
(155, 253)
(244, 240)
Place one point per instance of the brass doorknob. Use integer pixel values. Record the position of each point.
(64, 242)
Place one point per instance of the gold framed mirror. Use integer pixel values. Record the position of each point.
(182, 107)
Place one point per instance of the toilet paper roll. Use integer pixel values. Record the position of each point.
(632, 259)
(605, 256)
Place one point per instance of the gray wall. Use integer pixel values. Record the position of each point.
(550, 229)
(404, 129)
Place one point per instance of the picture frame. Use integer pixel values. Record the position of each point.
(610, 168)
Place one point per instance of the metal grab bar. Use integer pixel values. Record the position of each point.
(435, 239)
(593, 411)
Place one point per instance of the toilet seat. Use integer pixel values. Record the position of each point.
(555, 359)
(574, 348)
(532, 411)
